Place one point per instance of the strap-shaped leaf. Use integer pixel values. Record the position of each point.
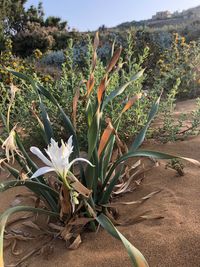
(33, 186)
(90, 84)
(140, 137)
(4, 218)
(93, 133)
(46, 122)
(106, 195)
(89, 112)
(114, 60)
(105, 136)
(101, 89)
(38, 190)
(31, 164)
(136, 257)
(131, 102)
(24, 77)
(121, 89)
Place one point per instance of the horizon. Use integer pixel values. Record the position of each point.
(82, 15)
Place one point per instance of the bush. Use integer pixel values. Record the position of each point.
(180, 61)
(56, 58)
(34, 37)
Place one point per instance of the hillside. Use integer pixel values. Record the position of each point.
(165, 18)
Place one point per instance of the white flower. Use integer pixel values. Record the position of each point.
(58, 158)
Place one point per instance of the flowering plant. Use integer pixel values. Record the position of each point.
(87, 194)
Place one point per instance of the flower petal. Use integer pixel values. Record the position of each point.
(69, 142)
(42, 171)
(36, 151)
(80, 159)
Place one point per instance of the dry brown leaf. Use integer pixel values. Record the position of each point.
(14, 250)
(32, 225)
(81, 189)
(20, 237)
(25, 217)
(65, 202)
(105, 136)
(76, 243)
(66, 233)
(131, 102)
(90, 84)
(133, 202)
(96, 41)
(151, 194)
(74, 106)
(101, 89)
(114, 60)
(94, 61)
(125, 186)
(141, 218)
(56, 227)
(80, 221)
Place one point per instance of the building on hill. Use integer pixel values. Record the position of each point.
(162, 15)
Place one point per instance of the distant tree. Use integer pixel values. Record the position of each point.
(102, 28)
(52, 21)
(34, 37)
(17, 23)
(35, 14)
(12, 16)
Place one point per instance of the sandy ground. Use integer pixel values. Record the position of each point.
(173, 241)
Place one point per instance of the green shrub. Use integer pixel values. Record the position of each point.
(34, 37)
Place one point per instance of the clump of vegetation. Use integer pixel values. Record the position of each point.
(84, 199)
(61, 59)
(180, 61)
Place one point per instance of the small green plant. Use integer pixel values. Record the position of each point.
(176, 165)
(86, 197)
(180, 128)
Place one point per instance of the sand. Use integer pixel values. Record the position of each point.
(172, 241)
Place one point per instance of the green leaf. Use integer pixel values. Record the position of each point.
(136, 257)
(31, 164)
(106, 195)
(24, 77)
(140, 137)
(47, 124)
(121, 89)
(13, 171)
(38, 190)
(108, 151)
(93, 133)
(4, 217)
(34, 186)
(89, 112)
(40, 89)
(67, 123)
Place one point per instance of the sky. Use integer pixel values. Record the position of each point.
(90, 14)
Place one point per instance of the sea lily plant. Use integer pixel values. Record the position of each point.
(88, 194)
